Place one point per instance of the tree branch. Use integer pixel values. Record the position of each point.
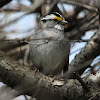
(26, 80)
(33, 7)
(86, 56)
(4, 2)
(81, 4)
(8, 45)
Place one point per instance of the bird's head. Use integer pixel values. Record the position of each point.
(53, 20)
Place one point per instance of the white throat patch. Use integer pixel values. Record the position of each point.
(60, 27)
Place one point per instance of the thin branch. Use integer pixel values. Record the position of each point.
(6, 46)
(81, 81)
(84, 58)
(34, 6)
(27, 81)
(28, 40)
(4, 2)
(64, 11)
(94, 96)
(91, 8)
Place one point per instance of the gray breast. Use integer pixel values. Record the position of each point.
(49, 55)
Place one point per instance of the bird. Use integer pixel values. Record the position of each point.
(49, 47)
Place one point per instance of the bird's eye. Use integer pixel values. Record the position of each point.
(44, 21)
(49, 19)
(55, 20)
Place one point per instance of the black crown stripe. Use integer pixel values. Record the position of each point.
(56, 14)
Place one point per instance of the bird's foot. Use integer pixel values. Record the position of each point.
(35, 69)
(53, 77)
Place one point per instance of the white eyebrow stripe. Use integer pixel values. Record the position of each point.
(52, 16)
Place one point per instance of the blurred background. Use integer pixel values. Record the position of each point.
(82, 17)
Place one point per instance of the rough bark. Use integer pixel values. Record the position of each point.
(26, 80)
(86, 55)
(20, 52)
(6, 46)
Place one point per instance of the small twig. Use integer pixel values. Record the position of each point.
(43, 9)
(36, 4)
(21, 52)
(81, 4)
(92, 98)
(75, 51)
(81, 81)
(52, 6)
(99, 14)
(25, 97)
(47, 38)
(64, 11)
(37, 45)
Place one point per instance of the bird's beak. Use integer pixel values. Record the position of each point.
(64, 22)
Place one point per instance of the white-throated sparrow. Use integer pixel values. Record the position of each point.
(49, 47)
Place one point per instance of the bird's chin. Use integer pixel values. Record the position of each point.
(59, 27)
